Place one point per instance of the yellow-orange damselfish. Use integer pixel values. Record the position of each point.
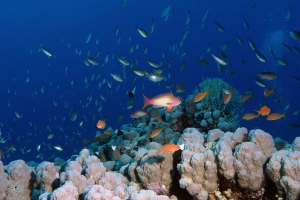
(166, 100)
(200, 96)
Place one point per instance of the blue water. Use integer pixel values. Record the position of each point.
(57, 24)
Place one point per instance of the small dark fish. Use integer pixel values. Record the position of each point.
(281, 61)
(130, 94)
(141, 31)
(224, 55)
(278, 99)
(203, 62)
(241, 42)
(267, 75)
(243, 61)
(169, 85)
(260, 82)
(271, 50)
(86, 141)
(253, 4)
(252, 44)
(45, 51)
(119, 132)
(296, 79)
(204, 18)
(220, 27)
(246, 24)
(220, 60)
(297, 49)
(92, 60)
(295, 35)
(287, 47)
(232, 72)
(260, 56)
(293, 126)
(120, 117)
(220, 68)
(73, 116)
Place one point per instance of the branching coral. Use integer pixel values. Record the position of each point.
(214, 99)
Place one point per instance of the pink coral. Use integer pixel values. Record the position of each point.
(45, 176)
(20, 178)
(158, 188)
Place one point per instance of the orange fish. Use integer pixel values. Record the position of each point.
(138, 114)
(249, 116)
(167, 148)
(275, 116)
(155, 132)
(166, 100)
(246, 97)
(264, 111)
(200, 96)
(227, 97)
(101, 124)
(158, 118)
(268, 92)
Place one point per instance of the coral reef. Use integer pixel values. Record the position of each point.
(3, 182)
(45, 176)
(211, 112)
(284, 170)
(216, 161)
(19, 179)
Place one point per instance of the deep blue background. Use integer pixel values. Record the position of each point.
(25, 24)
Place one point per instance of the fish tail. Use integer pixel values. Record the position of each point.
(147, 101)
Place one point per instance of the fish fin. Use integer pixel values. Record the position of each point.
(169, 109)
(181, 147)
(147, 101)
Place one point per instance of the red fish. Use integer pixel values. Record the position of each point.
(166, 100)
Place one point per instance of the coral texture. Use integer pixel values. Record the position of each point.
(197, 167)
(284, 170)
(20, 178)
